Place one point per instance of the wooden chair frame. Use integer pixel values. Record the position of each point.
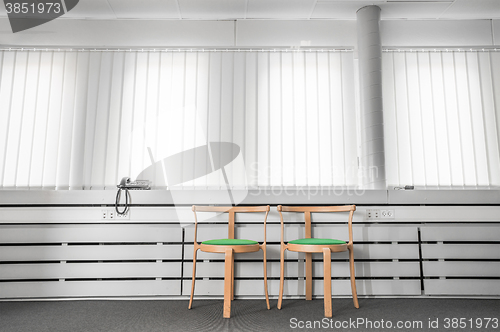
(229, 251)
(325, 249)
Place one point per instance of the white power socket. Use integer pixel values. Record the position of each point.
(372, 214)
(125, 216)
(110, 214)
(375, 214)
(387, 214)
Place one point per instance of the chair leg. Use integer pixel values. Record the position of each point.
(282, 276)
(232, 279)
(353, 278)
(327, 280)
(194, 278)
(308, 276)
(228, 267)
(265, 278)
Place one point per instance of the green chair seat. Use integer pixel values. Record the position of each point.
(229, 242)
(315, 241)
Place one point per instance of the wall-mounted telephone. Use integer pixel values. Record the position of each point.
(126, 183)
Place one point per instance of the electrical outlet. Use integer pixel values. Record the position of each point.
(373, 214)
(387, 214)
(125, 216)
(110, 214)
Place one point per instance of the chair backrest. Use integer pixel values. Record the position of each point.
(307, 216)
(231, 210)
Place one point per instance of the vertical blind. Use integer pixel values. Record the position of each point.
(442, 118)
(84, 119)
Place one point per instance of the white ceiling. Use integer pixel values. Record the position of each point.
(280, 9)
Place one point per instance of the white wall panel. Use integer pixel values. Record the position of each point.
(33, 253)
(125, 33)
(463, 287)
(90, 270)
(438, 33)
(292, 33)
(297, 287)
(43, 249)
(89, 288)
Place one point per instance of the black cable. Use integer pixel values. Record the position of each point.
(117, 201)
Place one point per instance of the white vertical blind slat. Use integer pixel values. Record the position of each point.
(349, 144)
(227, 117)
(495, 73)
(477, 120)
(214, 179)
(290, 128)
(101, 122)
(250, 146)
(15, 121)
(313, 144)
(53, 123)
(264, 130)
(401, 100)
(189, 115)
(464, 118)
(127, 108)
(275, 104)
(138, 153)
(114, 120)
(390, 121)
(28, 120)
(427, 120)
(202, 107)
(414, 120)
(91, 122)
(440, 115)
(41, 121)
(337, 120)
(6, 76)
(324, 119)
(66, 124)
(490, 117)
(80, 106)
(296, 122)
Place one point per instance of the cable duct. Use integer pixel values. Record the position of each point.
(372, 158)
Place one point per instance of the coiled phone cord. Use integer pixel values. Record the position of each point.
(117, 201)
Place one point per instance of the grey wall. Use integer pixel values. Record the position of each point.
(248, 33)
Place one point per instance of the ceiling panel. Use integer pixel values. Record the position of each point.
(212, 9)
(279, 9)
(470, 9)
(98, 9)
(145, 9)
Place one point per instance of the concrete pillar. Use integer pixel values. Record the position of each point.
(372, 158)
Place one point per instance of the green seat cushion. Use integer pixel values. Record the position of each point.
(315, 241)
(229, 242)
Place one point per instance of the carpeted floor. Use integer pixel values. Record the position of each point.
(251, 315)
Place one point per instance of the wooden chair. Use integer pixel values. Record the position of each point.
(229, 247)
(309, 245)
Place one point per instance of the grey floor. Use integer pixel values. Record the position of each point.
(249, 315)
